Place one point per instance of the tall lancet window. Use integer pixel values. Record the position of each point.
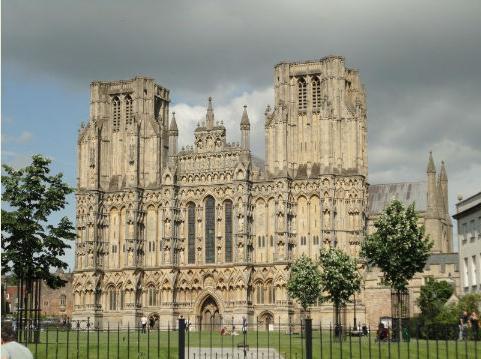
(316, 94)
(116, 114)
(228, 231)
(302, 94)
(191, 233)
(210, 230)
(128, 110)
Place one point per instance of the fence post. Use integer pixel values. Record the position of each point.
(308, 329)
(182, 338)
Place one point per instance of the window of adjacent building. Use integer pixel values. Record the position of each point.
(191, 232)
(473, 271)
(316, 94)
(465, 271)
(302, 94)
(63, 300)
(116, 114)
(128, 110)
(464, 232)
(228, 231)
(210, 230)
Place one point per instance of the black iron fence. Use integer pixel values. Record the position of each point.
(263, 340)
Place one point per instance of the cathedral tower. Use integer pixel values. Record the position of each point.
(319, 118)
(125, 142)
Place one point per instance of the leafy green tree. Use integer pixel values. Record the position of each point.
(340, 279)
(304, 282)
(31, 246)
(470, 302)
(434, 294)
(398, 247)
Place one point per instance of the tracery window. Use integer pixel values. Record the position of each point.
(228, 231)
(191, 233)
(112, 298)
(152, 296)
(316, 94)
(116, 114)
(128, 110)
(302, 94)
(210, 230)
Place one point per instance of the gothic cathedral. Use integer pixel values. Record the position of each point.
(209, 231)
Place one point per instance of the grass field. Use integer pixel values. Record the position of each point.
(162, 344)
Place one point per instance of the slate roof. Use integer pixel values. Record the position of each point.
(379, 195)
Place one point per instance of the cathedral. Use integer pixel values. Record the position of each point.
(209, 231)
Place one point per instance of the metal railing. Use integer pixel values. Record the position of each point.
(260, 340)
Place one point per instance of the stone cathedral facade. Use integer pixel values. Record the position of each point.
(209, 231)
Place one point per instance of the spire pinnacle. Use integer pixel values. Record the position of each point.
(245, 123)
(173, 124)
(431, 167)
(210, 115)
(442, 173)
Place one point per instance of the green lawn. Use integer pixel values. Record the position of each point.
(165, 345)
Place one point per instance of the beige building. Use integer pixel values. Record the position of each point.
(468, 215)
(209, 231)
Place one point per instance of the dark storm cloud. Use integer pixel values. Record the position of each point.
(420, 60)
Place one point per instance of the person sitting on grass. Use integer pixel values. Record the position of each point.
(10, 349)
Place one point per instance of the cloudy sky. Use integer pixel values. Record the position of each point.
(419, 60)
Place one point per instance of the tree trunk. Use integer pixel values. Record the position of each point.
(399, 315)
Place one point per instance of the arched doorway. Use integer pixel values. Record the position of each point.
(209, 316)
(265, 320)
(153, 320)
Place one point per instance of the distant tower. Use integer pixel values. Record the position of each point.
(319, 118)
(245, 127)
(437, 219)
(432, 193)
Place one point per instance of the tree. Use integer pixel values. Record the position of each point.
(31, 245)
(304, 282)
(398, 247)
(434, 295)
(340, 279)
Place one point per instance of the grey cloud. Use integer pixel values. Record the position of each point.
(419, 61)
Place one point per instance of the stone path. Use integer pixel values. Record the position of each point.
(226, 353)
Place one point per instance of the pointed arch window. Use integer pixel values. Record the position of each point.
(152, 296)
(302, 95)
(116, 114)
(128, 110)
(112, 298)
(228, 230)
(316, 94)
(191, 233)
(210, 230)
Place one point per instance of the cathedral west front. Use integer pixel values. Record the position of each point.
(209, 231)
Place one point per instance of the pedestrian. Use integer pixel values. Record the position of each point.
(143, 322)
(463, 325)
(10, 348)
(474, 320)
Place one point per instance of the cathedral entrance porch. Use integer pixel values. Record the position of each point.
(209, 316)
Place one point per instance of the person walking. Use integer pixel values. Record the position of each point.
(143, 322)
(463, 325)
(474, 320)
(10, 349)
